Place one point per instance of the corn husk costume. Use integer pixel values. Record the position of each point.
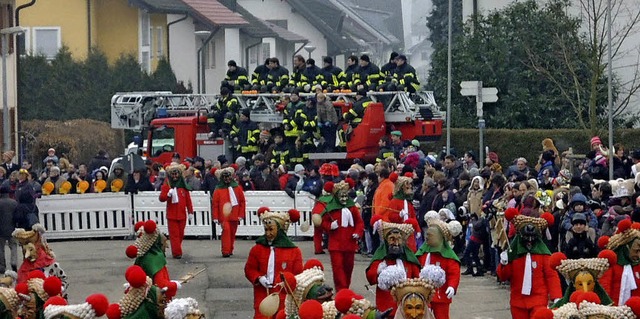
(571, 268)
(94, 306)
(142, 300)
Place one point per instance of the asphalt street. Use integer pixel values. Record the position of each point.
(98, 266)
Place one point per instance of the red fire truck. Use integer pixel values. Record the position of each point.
(178, 122)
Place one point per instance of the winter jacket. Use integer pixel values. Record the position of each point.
(326, 112)
(7, 211)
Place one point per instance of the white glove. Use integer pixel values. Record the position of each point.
(504, 258)
(215, 221)
(450, 292)
(264, 282)
(556, 300)
(377, 225)
(170, 193)
(334, 225)
(404, 214)
(355, 236)
(418, 235)
(177, 284)
(190, 218)
(381, 267)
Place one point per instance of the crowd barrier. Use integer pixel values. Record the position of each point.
(109, 215)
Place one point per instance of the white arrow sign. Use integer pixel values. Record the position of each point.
(489, 95)
(469, 88)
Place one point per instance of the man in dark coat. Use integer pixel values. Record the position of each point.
(7, 226)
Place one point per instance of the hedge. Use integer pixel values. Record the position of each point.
(527, 143)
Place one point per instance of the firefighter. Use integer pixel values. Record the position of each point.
(223, 114)
(387, 71)
(237, 78)
(280, 152)
(405, 76)
(368, 74)
(314, 76)
(245, 135)
(385, 149)
(291, 129)
(354, 116)
(309, 118)
(259, 77)
(278, 76)
(298, 79)
(346, 77)
(331, 74)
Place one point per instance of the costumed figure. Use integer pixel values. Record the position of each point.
(37, 254)
(229, 208)
(94, 306)
(273, 254)
(9, 279)
(342, 222)
(354, 306)
(183, 308)
(148, 251)
(414, 295)
(309, 286)
(10, 302)
(176, 193)
(622, 279)
(319, 207)
(393, 256)
(526, 265)
(401, 203)
(39, 290)
(141, 300)
(582, 275)
(437, 251)
(587, 305)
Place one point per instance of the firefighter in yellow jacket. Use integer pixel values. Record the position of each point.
(354, 116)
(245, 135)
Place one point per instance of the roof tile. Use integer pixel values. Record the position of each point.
(216, 13)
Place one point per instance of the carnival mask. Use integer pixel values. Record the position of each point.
(529, 235)
(324, 293)
(226, 177)
(434, 238)
(634, 251)
(413, 306)
(407, 189)
(270, 230)
(343, 197)
(584, 282)
(174, 175)
(395, 244)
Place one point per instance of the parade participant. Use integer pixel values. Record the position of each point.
(183, 308)
(526, 266)
(176, 193)
(37, 254)
(141, 298)
(94, 306)
(310, 285)
(621, 281)
(10, 302)
(148, 251)
(272, 254)
(587, 305)
(414, 295)
(354, 306)
(342, 222)
(582, 275)
(38, 289)
(229, 208)
(437, 251)
(401, 204)
(318, 208)
(394, 254)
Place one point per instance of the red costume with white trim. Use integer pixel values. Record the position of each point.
(440, 303)
(626, 239)
(176, 215)
(384, 300)
(230, 218)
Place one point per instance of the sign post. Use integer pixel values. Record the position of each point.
(483, 95)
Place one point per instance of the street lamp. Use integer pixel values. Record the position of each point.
(309, 48)
(6, 132)
(204, 37)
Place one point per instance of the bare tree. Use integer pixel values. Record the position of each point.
(581, 77)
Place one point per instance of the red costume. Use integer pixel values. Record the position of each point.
(545, 284)
(626, 237)
(384, 300)
(176, 215)
(440, 303)
(343, 239)
(229, 222)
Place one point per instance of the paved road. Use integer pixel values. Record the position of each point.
(222, 290)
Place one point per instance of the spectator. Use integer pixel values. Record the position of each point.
(255, 169)
(372, 240)
(245, 182)
(26, 164)
(578, 204)
(283, 176)
(327, 122)
(266, 180)
(193, 182)
(452, 169)
(8, 208)
(469, 161)
(101, 159)
(241, 161)
(23, 184)
(383, 194)
(474, 197)
(428, 192)
(138, 182)
(313, 183)
(3, 174)
(51, 156)
(56, 179)
(296, 181)
(27, 213)
(7, 162)
(162, 176)
(118, 173)
(580, 239)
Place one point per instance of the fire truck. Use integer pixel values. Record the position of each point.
(178, 122)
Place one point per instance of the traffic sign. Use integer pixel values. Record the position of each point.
(470, 88)
(489, 95)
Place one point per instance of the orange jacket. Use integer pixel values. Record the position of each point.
(382, 197)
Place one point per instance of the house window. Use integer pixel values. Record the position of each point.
(210, 56)
(46, 41)
(145, 41)
(159, 42)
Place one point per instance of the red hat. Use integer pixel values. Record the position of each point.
(313, 263)
(493, 157)
(393, 177)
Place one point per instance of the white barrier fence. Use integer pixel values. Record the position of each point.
(108, 215)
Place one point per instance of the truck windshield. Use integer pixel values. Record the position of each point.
(162, 140)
